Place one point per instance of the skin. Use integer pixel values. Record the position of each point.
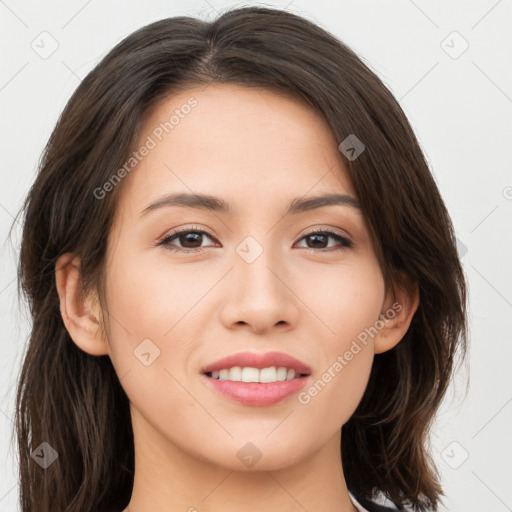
(259, 151)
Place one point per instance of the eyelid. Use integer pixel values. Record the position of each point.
(335, 231)
(344, 242)
(200, 229)
(184, 229)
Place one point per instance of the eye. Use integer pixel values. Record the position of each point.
(191, 239)
(319, 236)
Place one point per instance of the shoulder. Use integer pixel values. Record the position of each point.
(371, 506)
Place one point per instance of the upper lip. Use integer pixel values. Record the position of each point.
(255, 360)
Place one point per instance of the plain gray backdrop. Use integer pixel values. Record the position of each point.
(450, 66)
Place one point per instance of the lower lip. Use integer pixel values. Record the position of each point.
(257, 394)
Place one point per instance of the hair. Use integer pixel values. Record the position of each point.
(74, 401)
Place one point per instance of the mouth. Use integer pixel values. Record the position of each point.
(256, 379)
(257, 367)
(252, 392)
(256, 375)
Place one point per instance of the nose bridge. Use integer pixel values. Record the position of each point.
(258, 267)
(257, 292)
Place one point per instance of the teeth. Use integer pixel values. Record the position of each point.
(248, 374)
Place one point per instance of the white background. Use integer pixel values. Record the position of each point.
(460, 107)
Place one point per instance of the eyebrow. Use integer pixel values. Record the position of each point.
(215, 204)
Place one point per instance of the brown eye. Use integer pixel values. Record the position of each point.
(189, 240)
(319, 238)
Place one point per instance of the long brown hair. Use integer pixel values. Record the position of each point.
(74, 401)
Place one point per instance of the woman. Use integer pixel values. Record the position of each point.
(293, 362)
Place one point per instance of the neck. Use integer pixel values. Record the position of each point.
(168, 478)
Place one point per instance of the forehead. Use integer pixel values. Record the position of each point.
(248, 145)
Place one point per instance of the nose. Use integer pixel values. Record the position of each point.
(259, 295)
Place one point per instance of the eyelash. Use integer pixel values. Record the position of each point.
(166, 241)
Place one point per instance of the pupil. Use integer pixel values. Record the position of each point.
(316, 237)
(190, 237)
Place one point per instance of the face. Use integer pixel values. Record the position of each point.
(250, 278)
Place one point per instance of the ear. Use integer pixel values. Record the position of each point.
(81, 313)
(396, 314)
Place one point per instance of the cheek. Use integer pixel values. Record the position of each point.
(152, 298)
(350, 309)
(155, 308)
(338, 386)
(150, 311)
(345, 300)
